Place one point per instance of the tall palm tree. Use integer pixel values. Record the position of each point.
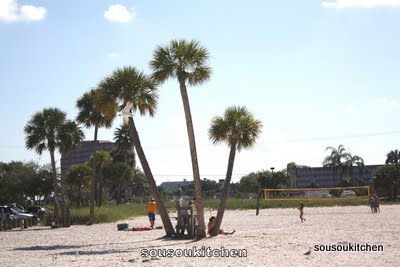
(50, 130)
(187, 62)
(92, 113)
(128, 85)
(393, 157)
(336, 160)
(238, 129)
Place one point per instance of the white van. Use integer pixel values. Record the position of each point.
(348, 193)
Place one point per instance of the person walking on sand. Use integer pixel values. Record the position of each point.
(300, 208)
(151, 212)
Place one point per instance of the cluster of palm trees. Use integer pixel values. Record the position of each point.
(341, 161)
(186, 61)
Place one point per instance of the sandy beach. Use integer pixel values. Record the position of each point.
(274, 238)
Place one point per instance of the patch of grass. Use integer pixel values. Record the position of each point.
(122, 212)
(244, 204)
(107, 214)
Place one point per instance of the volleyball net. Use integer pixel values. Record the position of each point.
(316, 193)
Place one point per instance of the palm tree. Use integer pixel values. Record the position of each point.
(187, 62)
(50, 130)
(238, 129)
(125, 148)
(119, 173)
(354, 160)
(336, 160)
(78, 177)
(92, 113)
(103, 160)
(133, 86)
(393, 157)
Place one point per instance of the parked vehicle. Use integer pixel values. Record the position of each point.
(15, 211)
(294, 195)
(20, 215)
(324, 195)
(348, 193)
(37, 211)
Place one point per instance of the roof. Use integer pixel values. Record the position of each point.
(172, 187)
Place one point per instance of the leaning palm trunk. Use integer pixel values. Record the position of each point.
(93, 185)
(55, 184)
(201, 229)
(169, 229)
(222, 204)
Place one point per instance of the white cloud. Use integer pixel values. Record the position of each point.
(31, 13)
(361, 3)
(11, 11)
(119, 13)
(387, 102)
(112, 55)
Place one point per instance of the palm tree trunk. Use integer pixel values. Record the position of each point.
(225, 195)
(55, 185)
(169, 229)
(100, 195)
(201, 229)
(93, 184)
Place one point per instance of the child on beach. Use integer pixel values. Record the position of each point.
(300, 208)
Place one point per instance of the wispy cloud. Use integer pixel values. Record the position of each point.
(113, 55)
(361, 3)
(119, 13)
(387, 102)
(11, 11)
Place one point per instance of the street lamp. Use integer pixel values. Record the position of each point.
(272, 169)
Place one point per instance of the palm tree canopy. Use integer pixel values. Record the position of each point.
(181, 59)
(71, 135)
(337, 157)
(129, 84)
(92, 112)
(79, 175)
(44, 129)
(237, 127)
(393, 157)
(122, 138)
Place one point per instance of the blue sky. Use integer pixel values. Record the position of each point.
(316, 73)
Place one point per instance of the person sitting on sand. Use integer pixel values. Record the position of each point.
(300, 208)
(211, 225)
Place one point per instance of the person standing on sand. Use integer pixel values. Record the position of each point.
(376, 198)
(372, 204)
(151, 211)
(300, 208)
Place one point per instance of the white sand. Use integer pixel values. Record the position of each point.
(274, 238)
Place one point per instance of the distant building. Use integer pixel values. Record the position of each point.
(173, 187)
(327, 177)
(82, 153)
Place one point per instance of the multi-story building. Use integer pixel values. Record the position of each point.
(302, 177)
(82, 153)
